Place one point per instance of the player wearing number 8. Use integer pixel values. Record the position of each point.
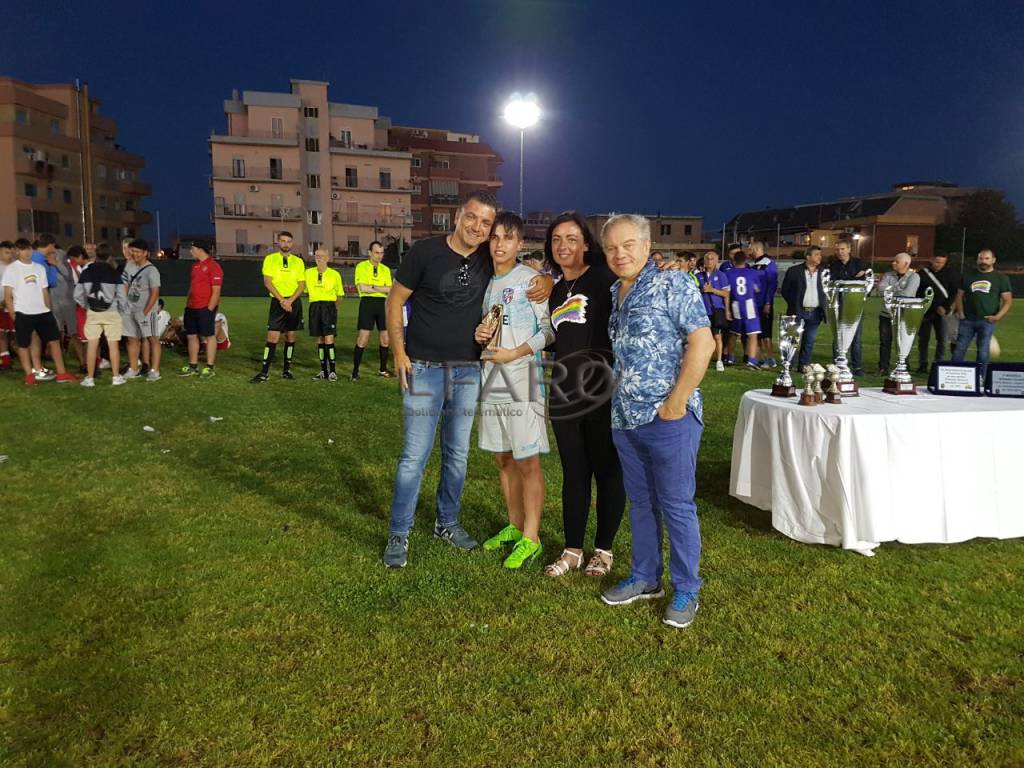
(746, 289)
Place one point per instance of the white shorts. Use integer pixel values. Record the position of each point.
(518, 428)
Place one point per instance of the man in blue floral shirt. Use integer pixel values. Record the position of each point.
(662, 343)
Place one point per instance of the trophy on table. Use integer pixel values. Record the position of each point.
(832, 393)
(791, 330)
(907, 313)
(810, 396)
(492, 322)
(819, 376)
(844, 306)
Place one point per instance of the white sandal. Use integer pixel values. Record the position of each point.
(562, 566)
(600, 564)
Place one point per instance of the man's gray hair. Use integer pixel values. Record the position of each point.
(643, 226)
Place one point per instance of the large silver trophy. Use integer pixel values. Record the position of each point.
(907, 313)
(844, 306)
(791, 330)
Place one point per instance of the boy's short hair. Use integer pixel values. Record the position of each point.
(22, 244)
(6, 244)
(103, 252)
(510, 221)
(139, 244)
(160, 302)
(204, 245)
(76, 252)
(45, 240)
(740, 257)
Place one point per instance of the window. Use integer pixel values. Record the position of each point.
(239, 209)
(416, 190)
(687, 229)
(55, 127)
(439, 162)
(101, 171)
(311, 111)
(69, 231)
(276, 168)
(352, 212)
(276, 206)
(417, 217)
(353, 246)
(64, 162)
(314, 217)
(385, 179)
(49, 193)
(30, 190)
(314, 246)
(313, 180)
(312, 145)
(129, 204)
(103, 202)
(67, 196)
(237, 168)
(345, 138)
(351, 177)
(666, 229)
(104, 233)
(385, 213)
(442, 220)
(219, 206)
(912, 243)
(417, 163)
(117, 204)
(277, 127)
(444, 191)
(21, 117)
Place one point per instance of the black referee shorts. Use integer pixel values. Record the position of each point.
(323, 318)
(768, 322)
(372, 314)
(279, 320)
(718, 321)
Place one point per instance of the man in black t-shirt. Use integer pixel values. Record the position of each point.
(438, 365)
(844, 266)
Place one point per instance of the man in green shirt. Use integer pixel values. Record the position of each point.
(284, 276)
(983, 300)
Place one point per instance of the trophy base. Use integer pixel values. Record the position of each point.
(899, 387)
(808, 398)
(779, 390)
(847, 388)
(819, 397)
(834, 397)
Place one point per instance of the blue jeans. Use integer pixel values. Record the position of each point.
(812, 320)
(659, 471)
(983, 329)
(444, 392)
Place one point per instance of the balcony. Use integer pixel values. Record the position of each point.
(338, 183)
(437, 172)
(256, 212)
(368, 219)
(231, 250)
(253, 136)
(40, 169)
(136, 217)
(444, 199)
(134, 187)
(256, 175)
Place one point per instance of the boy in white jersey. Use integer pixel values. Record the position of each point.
(512, 398)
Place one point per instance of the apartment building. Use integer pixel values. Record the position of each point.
(62, 171)
(321, 170)
(445, 166)
(668, 233)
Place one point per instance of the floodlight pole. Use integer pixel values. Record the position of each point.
(522, 142)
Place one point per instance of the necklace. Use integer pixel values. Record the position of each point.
(572, 285)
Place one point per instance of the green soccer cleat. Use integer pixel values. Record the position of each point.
(525, 552)
(507, 535)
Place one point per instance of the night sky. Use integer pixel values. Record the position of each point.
(703, 108)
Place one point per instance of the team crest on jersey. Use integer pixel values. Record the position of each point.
(507, 295)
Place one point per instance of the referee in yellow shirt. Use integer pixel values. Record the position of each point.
(373, 282)
(324, 287)
(284, 276)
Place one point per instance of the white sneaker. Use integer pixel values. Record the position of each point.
(117, 381)
(104, 364)
(153, 375)
(44, 375)
(88, 382)
(131, 373)
(719, 366)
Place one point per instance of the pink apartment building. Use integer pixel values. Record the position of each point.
(320, 170)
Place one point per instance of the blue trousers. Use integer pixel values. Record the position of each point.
(969, 329)
(436, 393)
(659, 471)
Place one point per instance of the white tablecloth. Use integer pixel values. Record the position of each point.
(915, 469)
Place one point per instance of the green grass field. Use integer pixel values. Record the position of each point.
(211, 593)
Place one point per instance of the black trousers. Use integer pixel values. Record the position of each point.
(884, 344)
(931, 322)
(586, 450)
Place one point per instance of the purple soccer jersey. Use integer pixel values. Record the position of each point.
(746, 289)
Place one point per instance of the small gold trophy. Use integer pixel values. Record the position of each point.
(492, 322)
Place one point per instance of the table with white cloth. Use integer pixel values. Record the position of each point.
(878, 467)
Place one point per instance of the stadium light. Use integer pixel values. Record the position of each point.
(522, 112)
